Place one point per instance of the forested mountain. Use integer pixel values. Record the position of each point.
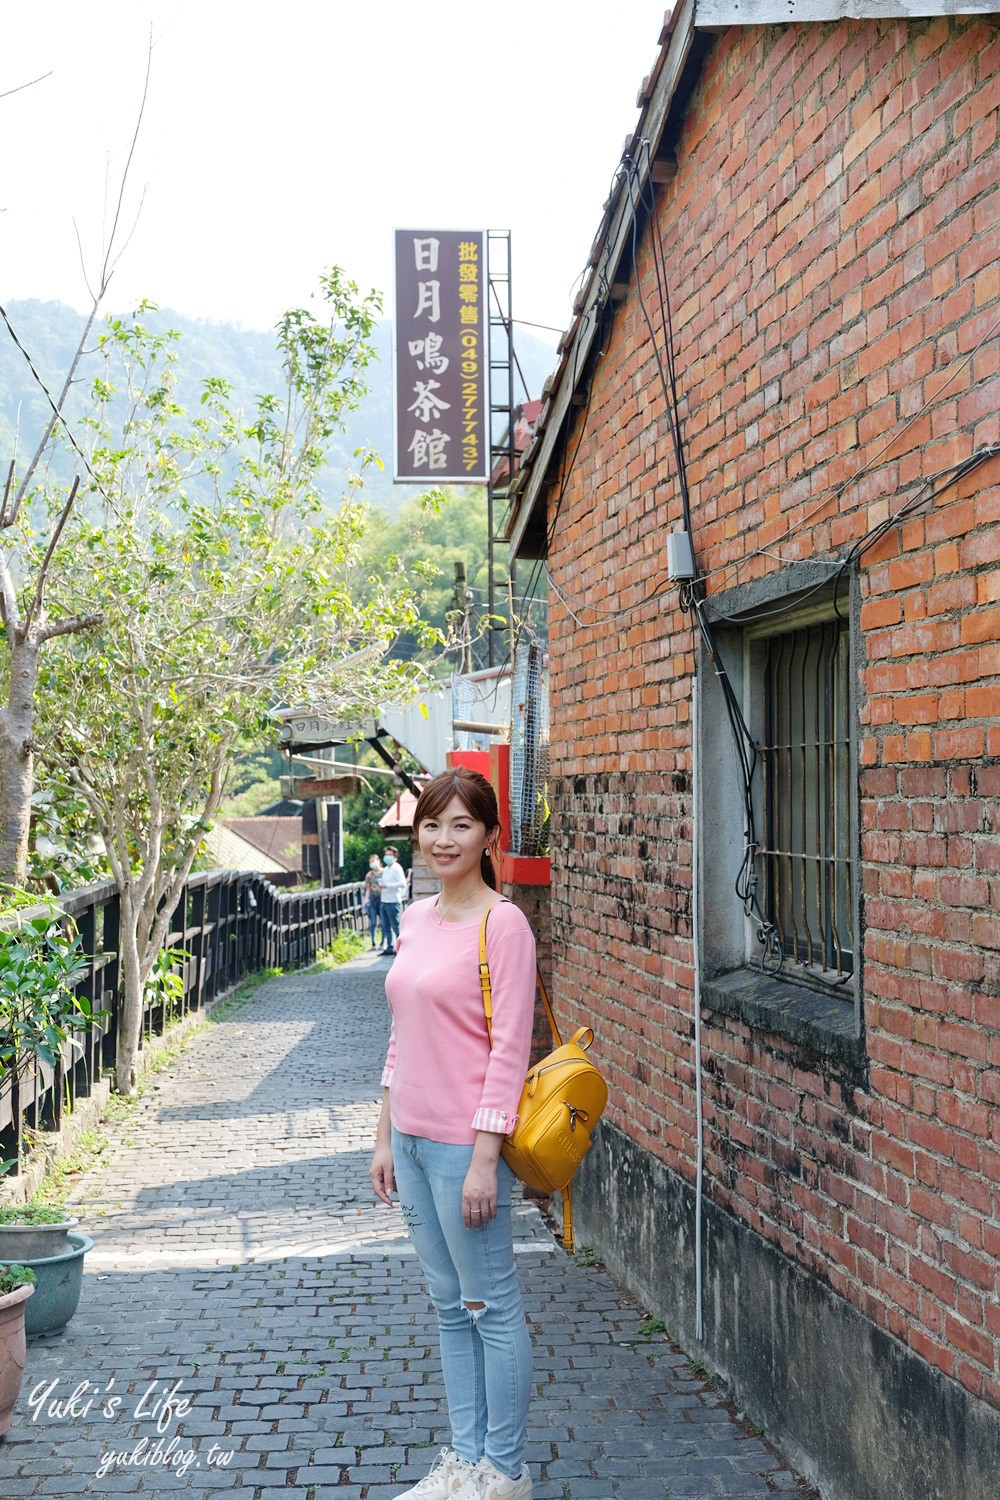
(49, 332)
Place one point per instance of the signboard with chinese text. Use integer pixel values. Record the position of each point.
(314, 730)
(441, 357)
(320, 786)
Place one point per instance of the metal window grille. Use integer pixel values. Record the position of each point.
(807, 873)
(529, 751)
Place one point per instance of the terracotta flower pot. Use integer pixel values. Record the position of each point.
(12, 1351)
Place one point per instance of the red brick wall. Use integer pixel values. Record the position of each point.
(831, 238)
(534, 902)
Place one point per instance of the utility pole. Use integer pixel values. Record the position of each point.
(463, 607)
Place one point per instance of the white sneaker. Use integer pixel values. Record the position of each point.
(447, 1473)
(487, 1483)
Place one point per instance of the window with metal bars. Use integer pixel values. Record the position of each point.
(805, 864)
(779, 904)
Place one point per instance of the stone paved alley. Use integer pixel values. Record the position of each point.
(252, 1321)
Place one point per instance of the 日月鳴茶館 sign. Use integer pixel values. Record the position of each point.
(441, 357)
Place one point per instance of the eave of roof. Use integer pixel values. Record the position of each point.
(612, 242)
(610, 246)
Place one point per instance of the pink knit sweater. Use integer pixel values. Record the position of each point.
(444, 1081)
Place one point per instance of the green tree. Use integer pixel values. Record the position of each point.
(432, 532)
(213, 611)
(28, 623)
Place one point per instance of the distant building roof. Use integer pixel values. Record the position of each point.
(280, 839)
(399, 817)
(231, 852)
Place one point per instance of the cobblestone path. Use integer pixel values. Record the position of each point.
(253, 1322)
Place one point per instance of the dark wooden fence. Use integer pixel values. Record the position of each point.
(227, 925)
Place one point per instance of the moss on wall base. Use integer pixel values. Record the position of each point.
(851, 1408)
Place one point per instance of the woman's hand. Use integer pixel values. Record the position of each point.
(479, 1190)
(383, 1177)
(381, 1172)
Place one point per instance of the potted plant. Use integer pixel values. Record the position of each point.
(41, 1239)
(17, 1283)
(33, 1231)
(58, 1284)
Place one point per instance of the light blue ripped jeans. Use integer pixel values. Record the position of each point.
(485, 1354)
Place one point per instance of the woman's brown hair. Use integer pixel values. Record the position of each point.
(476, 794)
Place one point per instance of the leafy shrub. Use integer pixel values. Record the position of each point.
(39, 964)
(11, 1277)
(345, 946)
(31, 1213)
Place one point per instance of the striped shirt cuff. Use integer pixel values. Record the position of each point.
(387, 1073)
(497, 1121)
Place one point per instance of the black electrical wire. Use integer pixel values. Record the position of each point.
(57, 415)
(746, 885)
(663, 292)
(746, 746)
(918, 500)
(667, 375)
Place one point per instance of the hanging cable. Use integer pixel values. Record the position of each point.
(835, 496)
(664, 362)
(746, 885)
(508, 327)
(663, 293)
(57, 416)
(699, 1115)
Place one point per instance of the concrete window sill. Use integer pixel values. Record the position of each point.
(824, 1025)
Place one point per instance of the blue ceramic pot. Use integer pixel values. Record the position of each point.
(57, 1288)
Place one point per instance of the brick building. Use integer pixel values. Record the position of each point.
(765, 486)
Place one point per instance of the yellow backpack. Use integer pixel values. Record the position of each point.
(561, 1102)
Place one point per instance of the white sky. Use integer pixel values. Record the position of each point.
(282, 137)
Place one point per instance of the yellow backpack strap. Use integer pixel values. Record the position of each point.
(485, 986)
(567, 1203)
(484, 977)
(548, 1008)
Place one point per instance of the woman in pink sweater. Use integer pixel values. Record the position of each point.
(448, 1101)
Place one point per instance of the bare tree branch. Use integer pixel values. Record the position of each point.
(29, 85)
(36, 602)
(112, 255)
(71, 626)
(8, 600)
(5, 519)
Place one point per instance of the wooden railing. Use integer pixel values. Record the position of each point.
(227, 925)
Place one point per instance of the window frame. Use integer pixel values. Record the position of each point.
(825, 1019)
(759, 642)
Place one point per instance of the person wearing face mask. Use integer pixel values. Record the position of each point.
(392, 889)
(372, 899)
